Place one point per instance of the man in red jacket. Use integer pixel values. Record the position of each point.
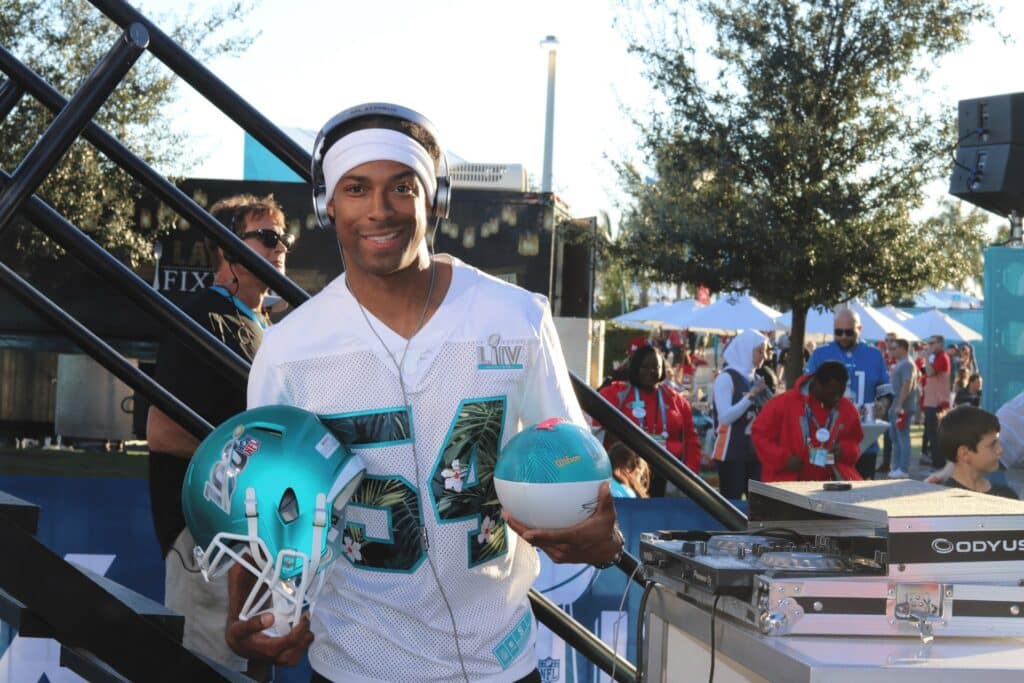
(799, 435)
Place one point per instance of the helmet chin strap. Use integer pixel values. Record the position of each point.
(252, 517)
(287, 597)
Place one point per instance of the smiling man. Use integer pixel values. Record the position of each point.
(428, 366)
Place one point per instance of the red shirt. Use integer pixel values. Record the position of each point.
(681, 440)
(937, 388)
(940, 363)
(778, 433)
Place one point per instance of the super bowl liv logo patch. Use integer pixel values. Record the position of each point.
(220, 487)
(498, 356)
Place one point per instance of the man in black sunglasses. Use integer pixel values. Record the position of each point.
(232, 310)
(869, 385)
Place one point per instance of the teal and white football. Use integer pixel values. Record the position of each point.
(548, 475)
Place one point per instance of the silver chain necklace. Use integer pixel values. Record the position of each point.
(419, 325)
(399, 365)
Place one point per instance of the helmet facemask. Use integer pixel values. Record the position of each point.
(288, 584)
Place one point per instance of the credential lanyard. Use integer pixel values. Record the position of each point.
(809, 419)
(661, 409)
(240, 305)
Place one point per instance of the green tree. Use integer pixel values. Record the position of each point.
(621, 287)
(62, 40)
(958, 237)
(793, 172)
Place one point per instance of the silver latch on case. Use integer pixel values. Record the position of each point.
(920, 604)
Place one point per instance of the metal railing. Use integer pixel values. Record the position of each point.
(74, 119)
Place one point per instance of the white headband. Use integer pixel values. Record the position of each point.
(378, 144)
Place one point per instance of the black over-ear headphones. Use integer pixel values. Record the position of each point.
(441, 200)
(235, 215)
(211, 246)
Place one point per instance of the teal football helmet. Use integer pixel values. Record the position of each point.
(267, 489)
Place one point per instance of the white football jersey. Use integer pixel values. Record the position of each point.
(487, 364)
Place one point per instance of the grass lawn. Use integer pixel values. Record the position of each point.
(916, 433)
(74, 463)
(133, 464)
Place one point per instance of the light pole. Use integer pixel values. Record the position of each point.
(550, 43)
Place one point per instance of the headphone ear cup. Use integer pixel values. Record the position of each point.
(316, 173)
(320, 207)
(442, 197)
(211, 252)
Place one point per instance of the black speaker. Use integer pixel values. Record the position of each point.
(989, 167)
(991, 177)
(577, 280)
(995, 120)
(576, 294)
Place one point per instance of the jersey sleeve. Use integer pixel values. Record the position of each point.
(266, 384)
(548, 390)
(814, 361)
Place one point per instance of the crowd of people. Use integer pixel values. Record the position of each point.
(745, 424)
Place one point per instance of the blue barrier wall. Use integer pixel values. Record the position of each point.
(98, 517)
(111, 517)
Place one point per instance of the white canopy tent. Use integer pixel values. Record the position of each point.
(947, 298)
(895, 313)
(732, 313)
(930, 298)
(676, 315)
(875, 324)
(638, 317)
(936, 322)
(819, 326)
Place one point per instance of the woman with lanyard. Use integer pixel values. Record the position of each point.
(657, 409)
(739, 395)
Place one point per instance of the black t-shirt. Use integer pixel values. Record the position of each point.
(996, 490)
(965, 397)
(209, 391)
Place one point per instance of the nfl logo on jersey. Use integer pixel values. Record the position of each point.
(549, 669)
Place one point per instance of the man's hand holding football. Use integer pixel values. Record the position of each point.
(592, 541)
